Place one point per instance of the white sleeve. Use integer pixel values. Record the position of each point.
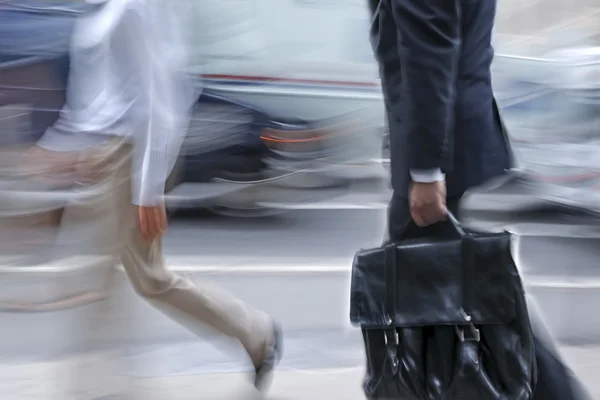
(427, 175)
(161, 103)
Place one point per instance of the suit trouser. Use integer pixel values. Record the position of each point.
(108, 212)
(555, 380)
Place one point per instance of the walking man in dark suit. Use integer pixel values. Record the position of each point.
(446, 135)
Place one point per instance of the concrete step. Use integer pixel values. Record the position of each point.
(309, 299)
(300, 296)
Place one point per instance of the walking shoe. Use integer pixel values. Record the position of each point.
(273, 354)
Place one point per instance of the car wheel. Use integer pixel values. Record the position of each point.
(248, 211)
(242, 207)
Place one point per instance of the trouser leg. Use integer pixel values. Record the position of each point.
(90, 226)
(109, 217)
(555, 379)
(194, 303)
(178, 297)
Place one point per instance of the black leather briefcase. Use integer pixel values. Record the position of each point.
(444, 317)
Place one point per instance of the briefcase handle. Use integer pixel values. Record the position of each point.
(455, 223)
(447, 229)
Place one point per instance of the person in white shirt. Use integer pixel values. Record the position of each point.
(127, 111)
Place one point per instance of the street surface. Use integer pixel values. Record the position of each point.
(288, 384)
(296, 267)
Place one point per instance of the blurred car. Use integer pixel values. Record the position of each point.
(269, 131)
(549, 101)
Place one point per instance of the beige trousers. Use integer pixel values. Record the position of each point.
(114, 219)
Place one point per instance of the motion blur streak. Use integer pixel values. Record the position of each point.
(282, 174)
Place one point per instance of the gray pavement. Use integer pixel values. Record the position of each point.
(306, 235)
(312, 251)
(51, 382)
(309, 253)
(296, 267)
(59, 380)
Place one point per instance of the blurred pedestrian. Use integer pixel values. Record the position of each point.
(446, 135)
(120, 132)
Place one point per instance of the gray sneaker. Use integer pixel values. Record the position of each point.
(273, 355)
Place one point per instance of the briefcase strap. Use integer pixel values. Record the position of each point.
(467, 293)
(390, 334)
(471, 333)
(390, 282)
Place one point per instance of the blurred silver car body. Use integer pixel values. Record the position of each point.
(551, 105)
(299, 59)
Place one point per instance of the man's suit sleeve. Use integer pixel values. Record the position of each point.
(429, 44)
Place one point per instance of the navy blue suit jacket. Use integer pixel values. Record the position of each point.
(435, 58)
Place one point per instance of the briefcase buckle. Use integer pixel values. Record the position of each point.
(460, 331)
(395, 340)
(474, 337)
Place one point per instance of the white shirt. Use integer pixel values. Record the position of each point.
(126, 79)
